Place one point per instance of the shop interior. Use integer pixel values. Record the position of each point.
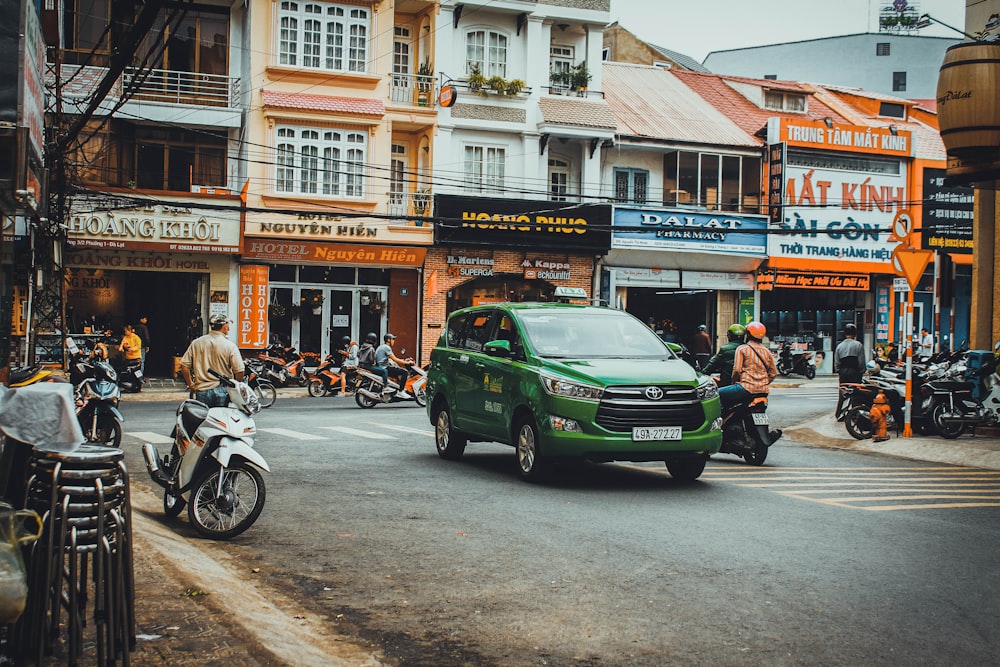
(501, 288)
(674, 314)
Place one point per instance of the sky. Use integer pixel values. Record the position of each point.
(698, 27)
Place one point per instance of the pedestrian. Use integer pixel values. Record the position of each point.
(849, 357)
(131, 345)
(722, 362)
(213, 351)
(701, 346)
(926, 344)
(142, 330)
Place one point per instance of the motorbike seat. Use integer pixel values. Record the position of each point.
(18, 375)
(192, 414)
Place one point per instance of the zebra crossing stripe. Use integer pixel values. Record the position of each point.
(296, 435)
(404, 429)
(150, 437)
(359, 433)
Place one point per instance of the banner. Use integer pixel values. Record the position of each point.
(253, 303)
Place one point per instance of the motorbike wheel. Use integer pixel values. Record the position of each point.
(108, 432)
(686, 470)
(302, 380)
(316, 388)
(240, 504)
(810, 372)
(364, 401)
(420, 396)
(172, 505)
(947, 430)
(859, 423)
(756, 456)
(266, 393)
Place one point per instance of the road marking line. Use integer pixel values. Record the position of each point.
(297, 435)
(359, 433)
(149, 436)
(404, 429)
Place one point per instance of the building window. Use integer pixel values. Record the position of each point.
(716, 182)
(631, 185)
(320, 161)
(484, 168)
(898, 82)
(892, 110)
(558, 179)
(770, 77)
(486, 50)
(779, 101)
(882, 49)
(560, 60)
(323, 36)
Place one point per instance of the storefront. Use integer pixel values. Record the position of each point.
(167, 262)
(834, 194)
(495, 250)
(677, 269)
(328, 277)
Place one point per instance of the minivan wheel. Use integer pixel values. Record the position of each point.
(450, 444)
(686, 470)
(530, 462)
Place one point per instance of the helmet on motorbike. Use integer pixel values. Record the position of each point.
(850, 330)
(756, 330)
(372, 337)
(736, 332)
(702, 327)
(388, 337)
(345, 341)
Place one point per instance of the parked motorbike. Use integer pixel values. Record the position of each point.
(22, 377)
(266, 393)
(212, 466)
(856, 399)
(972, 399)
(96, 394)
(284, 366)
(371, 391)
(325, 380)
(746, 430)
(797, 363)
(129, 375)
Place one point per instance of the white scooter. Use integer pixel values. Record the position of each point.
(371, 391)
(212, 466)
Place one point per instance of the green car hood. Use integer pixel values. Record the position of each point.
(610, 371)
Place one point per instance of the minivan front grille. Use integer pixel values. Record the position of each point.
(625, 407)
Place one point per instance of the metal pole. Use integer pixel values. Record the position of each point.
(907, 429)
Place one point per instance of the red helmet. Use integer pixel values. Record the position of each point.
(756, 330)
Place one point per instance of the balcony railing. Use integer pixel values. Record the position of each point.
(416, 90)
(175, 87)
(410, 204)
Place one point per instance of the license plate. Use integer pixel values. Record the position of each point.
(760, 419)
(645, 433)
(138, 374)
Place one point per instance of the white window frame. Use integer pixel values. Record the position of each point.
(322, 35)
(484, 167)
(489, 52)
(560, 165)
(321, 161)
(790, 102)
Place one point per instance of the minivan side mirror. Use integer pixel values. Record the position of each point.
(675, 348)
(497, 348)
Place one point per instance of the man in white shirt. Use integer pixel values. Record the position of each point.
(926, 344)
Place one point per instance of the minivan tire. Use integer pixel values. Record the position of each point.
(686, 470)
(530, 462)
(449, 442)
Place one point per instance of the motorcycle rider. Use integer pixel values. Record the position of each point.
(348, 354)
(753, 371)
(383, 355)
(723, 360)
(213, 350)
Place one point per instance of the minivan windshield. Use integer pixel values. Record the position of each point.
(590, 333)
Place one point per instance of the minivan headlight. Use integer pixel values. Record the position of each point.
(558, 386)
(707, 388)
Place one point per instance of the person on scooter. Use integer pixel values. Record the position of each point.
(383, 355)
(722, 362)
(753, 371)
(213, 350)
(348, 354)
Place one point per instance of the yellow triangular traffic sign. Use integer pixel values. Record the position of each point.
(911, 264)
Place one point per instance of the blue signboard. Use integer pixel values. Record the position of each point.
(694, 231)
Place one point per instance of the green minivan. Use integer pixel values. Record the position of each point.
(559, 381)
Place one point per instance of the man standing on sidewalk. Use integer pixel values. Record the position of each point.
(849, 357)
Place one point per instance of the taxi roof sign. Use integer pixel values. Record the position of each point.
(564, 294)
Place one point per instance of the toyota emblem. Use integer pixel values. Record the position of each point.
(654, 393)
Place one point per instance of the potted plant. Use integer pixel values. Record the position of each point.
(421, 200)
(476, 80)
(515, 86)
(497, 84)
(580, 77)
(314, 304)
(425, 76)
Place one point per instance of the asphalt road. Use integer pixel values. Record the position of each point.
(818, 557)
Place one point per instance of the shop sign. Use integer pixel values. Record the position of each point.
(317, 226)
(882, 306)
(775, 181)
(333, 253)
(842, 216)
(629, 277)
(251, 319)
(809, 133)
(146, 261)
(522, 223)
(543, 269)
(461, 266)
(947, 221)
(720, 280)
(672, 229)
(829, 281)
(156, 227)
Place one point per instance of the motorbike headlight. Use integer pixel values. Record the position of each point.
(558, 386)
(707, 388)
(249, 398)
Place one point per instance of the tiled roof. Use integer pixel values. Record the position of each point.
(681, 59)
(330, 103)
(581, 112)
(651, 102)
